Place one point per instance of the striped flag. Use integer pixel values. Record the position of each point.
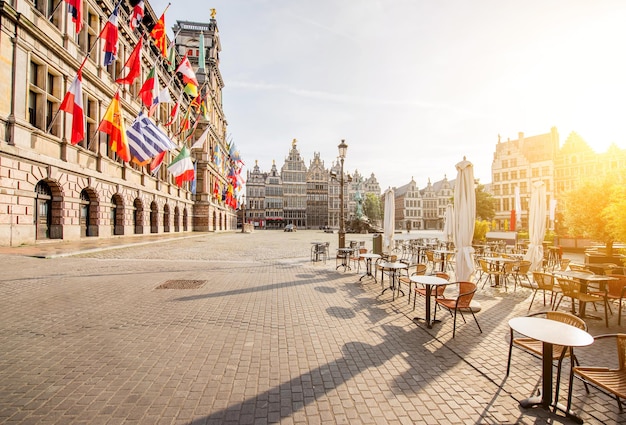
(75, 8)
(146, 140)
(73, 104)
(110, 35)
(113, 125)
(182, 167)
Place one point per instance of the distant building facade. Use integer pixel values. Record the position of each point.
(305, 197)
(520, 162)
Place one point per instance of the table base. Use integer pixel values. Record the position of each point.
(429, 324)
(539, 402)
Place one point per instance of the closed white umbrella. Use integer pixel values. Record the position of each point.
(464, 218)
(536, 225)
(448, 225)
(390, 218)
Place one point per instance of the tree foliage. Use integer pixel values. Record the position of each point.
(592, 210)
(485, 207)
(372, 207)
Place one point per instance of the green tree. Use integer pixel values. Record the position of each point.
(592, 210)
(481, 227)
(372, 207)
(485, 207)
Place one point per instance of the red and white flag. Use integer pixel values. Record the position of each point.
(137, 15)
(73, 104)
(188, 75)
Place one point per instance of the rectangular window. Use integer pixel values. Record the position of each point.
(43, 98)
(91, 118)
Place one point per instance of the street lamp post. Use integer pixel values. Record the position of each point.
(343, 148)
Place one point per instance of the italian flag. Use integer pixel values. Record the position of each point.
(182, 167)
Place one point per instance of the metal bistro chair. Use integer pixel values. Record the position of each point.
(419, 269)
(459, 304)
(612, 381)
(572, 289)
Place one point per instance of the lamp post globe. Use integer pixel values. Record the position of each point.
(343, 149)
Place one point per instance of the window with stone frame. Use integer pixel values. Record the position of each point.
(52, 13)
(88, 36)
(44, 97)
(90, 105)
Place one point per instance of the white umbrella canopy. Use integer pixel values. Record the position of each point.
(464, 219)
(448, 225)
(390, 219)
(536, 225)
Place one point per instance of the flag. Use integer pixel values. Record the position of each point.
(146, 140)
(171, 56)
(182, 167)
(188, 75)
(195, 103)
(156, 162)
(73, 104)
(137, 15)
(201, 58)
(110, 36)
(147, 89)
(194, 182)
(204, 110)
(133, 63)
(174, 112)
(75, 8)
(191, 89)
(162, 97)
(200, 142)
(158, 34)
(113, 125)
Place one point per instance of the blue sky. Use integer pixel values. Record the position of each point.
(415, 85)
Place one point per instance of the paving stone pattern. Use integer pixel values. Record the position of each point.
(86, 338)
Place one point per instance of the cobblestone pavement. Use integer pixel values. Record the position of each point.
(268, 337)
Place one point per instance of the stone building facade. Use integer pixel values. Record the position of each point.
(52, 189)
(519, 163)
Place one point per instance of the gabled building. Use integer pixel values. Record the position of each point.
(518, 163)
(408, 203)
(274, 213)
(317, 193)
(293, 174)
(255, 199)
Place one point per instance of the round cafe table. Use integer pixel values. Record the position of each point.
(549, 332)
(393, 269)
(368, 264)
(429, 282)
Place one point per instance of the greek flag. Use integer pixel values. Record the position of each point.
(146, 140)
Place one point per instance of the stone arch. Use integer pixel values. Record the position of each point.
(117, 215)
(48, 210)
(166, 218)
(154, 217)
(89, 206)
(185, 220)
(176, 219)
(214, 220)
(138, 216)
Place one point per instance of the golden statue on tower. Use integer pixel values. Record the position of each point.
(212, 13)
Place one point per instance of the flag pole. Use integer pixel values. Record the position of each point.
(54, 10)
